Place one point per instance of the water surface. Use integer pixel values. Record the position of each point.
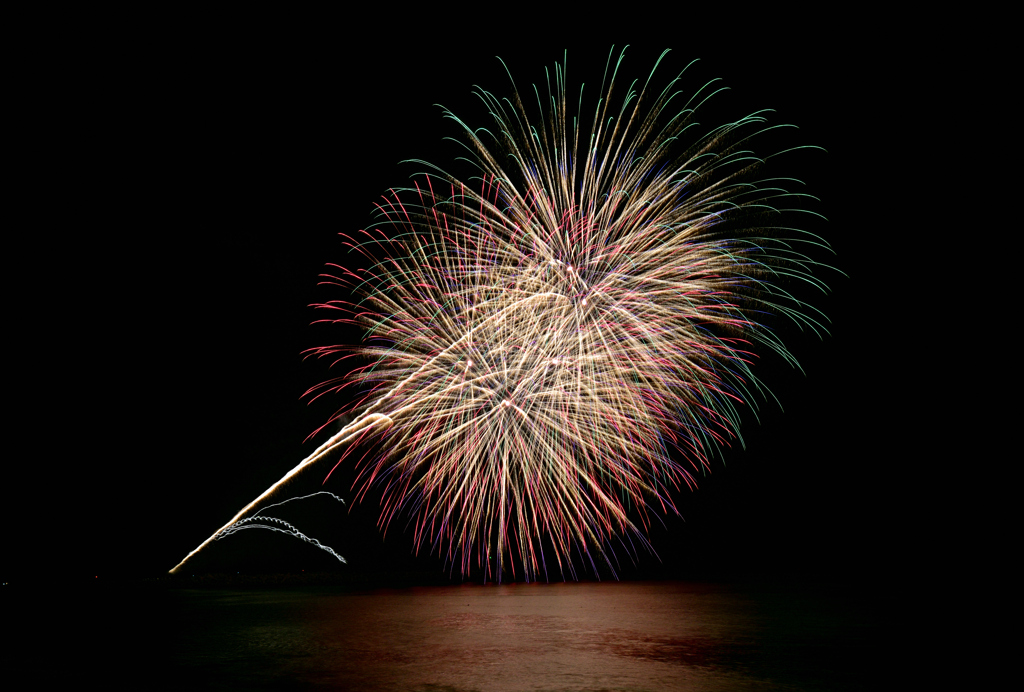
(590, 636)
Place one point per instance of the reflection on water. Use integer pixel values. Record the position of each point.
(606, 636)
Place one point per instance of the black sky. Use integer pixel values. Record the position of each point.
(214, 172)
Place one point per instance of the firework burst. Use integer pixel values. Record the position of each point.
(541, 340)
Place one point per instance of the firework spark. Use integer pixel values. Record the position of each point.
(541, 342)
(260, 521)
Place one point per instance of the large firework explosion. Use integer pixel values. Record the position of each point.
(557, 345)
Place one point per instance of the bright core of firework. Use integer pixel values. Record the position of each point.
(541, 340)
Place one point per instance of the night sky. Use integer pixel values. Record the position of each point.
(214, 174)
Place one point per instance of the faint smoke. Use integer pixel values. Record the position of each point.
(342, 420)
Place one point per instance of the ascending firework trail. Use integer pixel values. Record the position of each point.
(537, 347)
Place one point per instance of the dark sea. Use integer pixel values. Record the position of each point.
(656, 636)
